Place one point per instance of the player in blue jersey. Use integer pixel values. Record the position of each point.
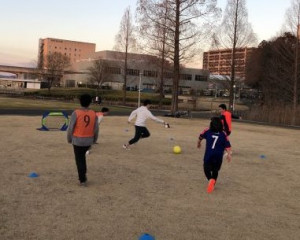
(216, 143)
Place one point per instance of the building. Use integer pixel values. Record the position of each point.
(218, 62)
(142, 69)
(73, 49)
(18, 84)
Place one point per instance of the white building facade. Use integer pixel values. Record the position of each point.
(141, 69)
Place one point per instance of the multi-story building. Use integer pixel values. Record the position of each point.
(72, 49)
(218, 62)
(141, 68)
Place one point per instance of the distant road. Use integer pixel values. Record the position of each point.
(37, 112)
(205, 115)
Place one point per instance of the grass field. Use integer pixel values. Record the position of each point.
(40, 104)
(148, 189)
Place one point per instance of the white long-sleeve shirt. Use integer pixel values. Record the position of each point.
(142, 114)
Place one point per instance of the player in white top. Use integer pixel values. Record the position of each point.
(142, 114)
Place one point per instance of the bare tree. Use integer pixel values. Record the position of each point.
(152, 18)
(234, 32)
(189, 19)
(184, 22)
(54, 68)
(125, 41)
(292, 25)
(98, 73)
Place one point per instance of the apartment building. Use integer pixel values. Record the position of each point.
(218, 62)
(73, 49)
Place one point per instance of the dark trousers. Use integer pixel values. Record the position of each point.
(81, 161)
(211, 169)
(140, 132)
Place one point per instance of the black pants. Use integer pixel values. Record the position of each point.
(81, 161)
(211, 169)
(140, 132)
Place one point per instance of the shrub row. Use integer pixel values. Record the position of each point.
(106, 95)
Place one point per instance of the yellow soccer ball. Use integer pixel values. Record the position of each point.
(177, 149)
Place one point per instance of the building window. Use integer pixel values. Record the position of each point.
(168, 75)
(113, 70)
(200, 78)
(186, 77)
(133, 72)
(150, 73)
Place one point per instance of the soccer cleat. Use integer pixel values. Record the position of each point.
(83, 184)
(126, 146)
(211, 185)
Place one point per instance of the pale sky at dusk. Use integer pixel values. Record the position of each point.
(23, 22)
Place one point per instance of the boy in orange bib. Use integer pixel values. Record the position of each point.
(82, 133)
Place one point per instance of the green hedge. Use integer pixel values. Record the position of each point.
(108, 95)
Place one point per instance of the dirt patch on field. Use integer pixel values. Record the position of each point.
(148, 189)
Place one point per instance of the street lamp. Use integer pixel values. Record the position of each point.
(140, 81)
(233, 97)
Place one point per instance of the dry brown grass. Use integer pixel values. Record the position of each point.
(148, 189)
(273, 114)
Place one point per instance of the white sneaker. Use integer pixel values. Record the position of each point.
(126, 146)
(87, 153)
(83, 184)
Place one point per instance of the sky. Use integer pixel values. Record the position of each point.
(24, 22)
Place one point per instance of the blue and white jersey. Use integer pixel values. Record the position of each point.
(216, 142)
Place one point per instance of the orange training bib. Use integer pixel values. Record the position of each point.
(85, 123)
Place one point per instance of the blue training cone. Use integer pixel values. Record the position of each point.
(33, 175)
(262, 156)
(146, 236)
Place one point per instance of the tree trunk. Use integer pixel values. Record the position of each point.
(295, 89)
(161, 88)
(125, 75)
(50, 82)
(174, 107)
(161, 92)
(232, 81)
(232, 77)
(98, 89)
(161, 84)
